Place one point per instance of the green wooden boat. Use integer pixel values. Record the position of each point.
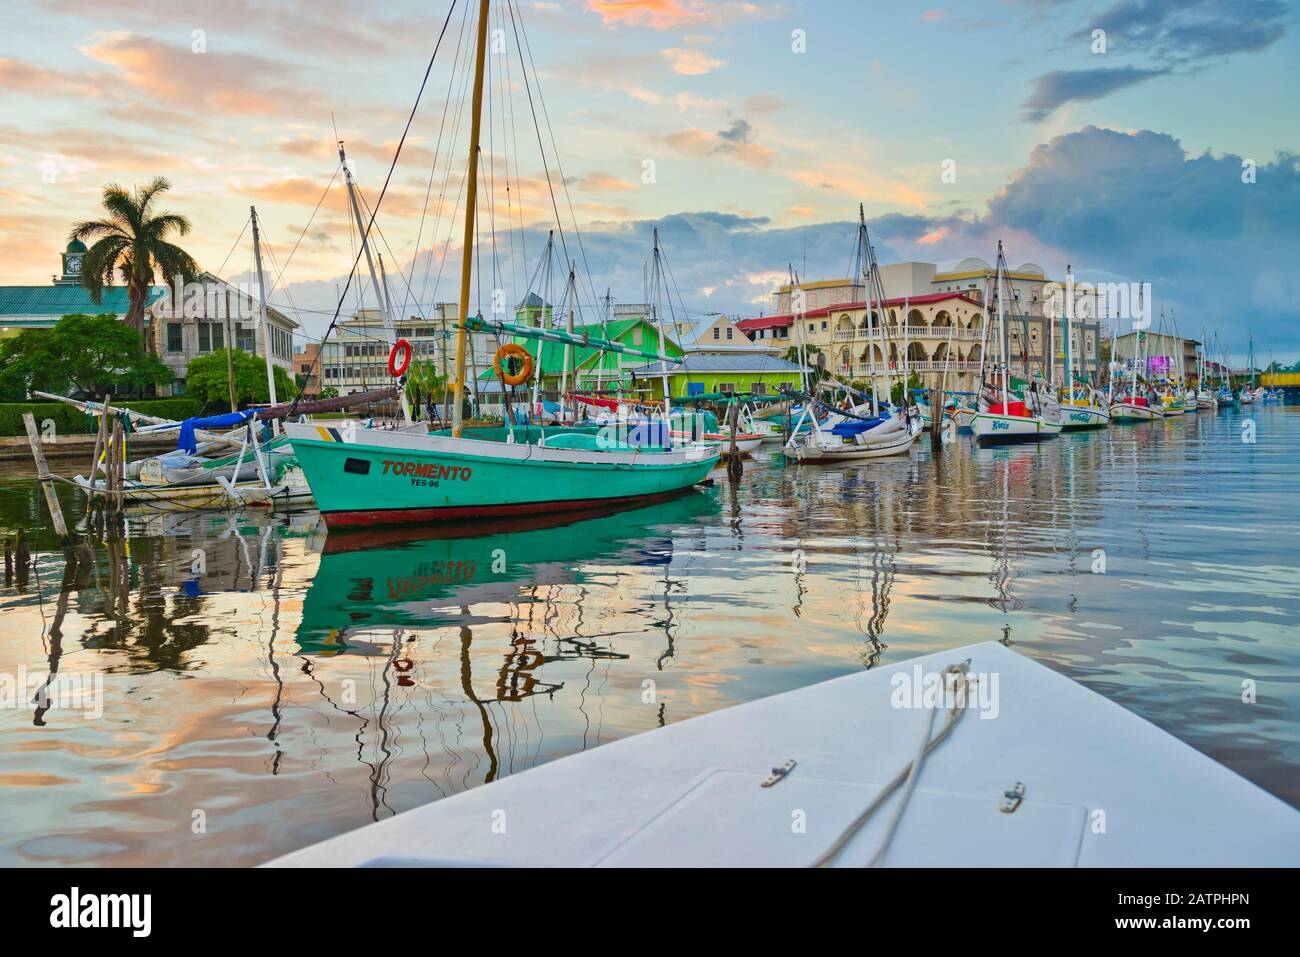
(370, 476)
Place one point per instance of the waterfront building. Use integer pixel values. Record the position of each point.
(708, 373)
(305, 370)
(207, 315)
(40, 307)
(942, 329)
(1163, 352)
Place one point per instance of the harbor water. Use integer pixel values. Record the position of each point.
(235, 686)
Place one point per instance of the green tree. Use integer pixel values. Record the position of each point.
(132, 242)
(208, 381)
(81, 355)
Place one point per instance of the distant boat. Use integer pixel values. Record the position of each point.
(1004, 416)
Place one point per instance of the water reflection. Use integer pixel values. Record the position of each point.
(290, 684)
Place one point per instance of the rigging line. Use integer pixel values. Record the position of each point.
(387, 179)
(384, 239)
(234, 246)
(490, 177)
(512, 150)
(433, 167)
(328, 186)
(528, 87)
(508, 147)
(460, 191)
(559, 166)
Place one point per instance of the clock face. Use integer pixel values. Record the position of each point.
(74, 264)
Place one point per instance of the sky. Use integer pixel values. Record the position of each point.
(1162, 149)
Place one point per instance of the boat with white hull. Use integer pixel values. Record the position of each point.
(997, 428)
(718, 790)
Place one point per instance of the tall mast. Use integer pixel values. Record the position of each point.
(568, 348)
(1002, 332)
(467, 254)
(266, 324)
(663, 362)
(867, 282)
(391, 329)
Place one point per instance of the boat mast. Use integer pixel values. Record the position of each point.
(392, 335)
(266, 326)
(1003, 345)
(380, 298)
(656, 279)
(568, 348)
(868, 284)
(467, 255)
(1069, 345)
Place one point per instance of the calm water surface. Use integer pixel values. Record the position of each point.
(280, 685)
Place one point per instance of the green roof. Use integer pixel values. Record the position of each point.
(615, 330)
(56, 301)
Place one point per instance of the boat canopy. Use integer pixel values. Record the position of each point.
(186, 441)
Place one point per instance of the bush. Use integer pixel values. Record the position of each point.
(70, 421)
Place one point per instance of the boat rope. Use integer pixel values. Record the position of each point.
(959, 683)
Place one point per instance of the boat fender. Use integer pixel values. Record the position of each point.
(403, 348)
(513, 351)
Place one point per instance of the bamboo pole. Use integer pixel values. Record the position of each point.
(46, 480)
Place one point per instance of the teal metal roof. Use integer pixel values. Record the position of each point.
(64, 300)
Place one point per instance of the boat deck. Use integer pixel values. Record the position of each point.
(1102, 787)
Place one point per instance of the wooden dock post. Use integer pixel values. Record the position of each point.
(99, 445)
(734, 465)
(936, 416)
(46, 480)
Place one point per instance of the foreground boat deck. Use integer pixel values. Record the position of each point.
(1103, 787)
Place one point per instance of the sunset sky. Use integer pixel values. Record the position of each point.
(1126, 164)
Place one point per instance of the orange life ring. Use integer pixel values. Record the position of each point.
(402, 347)
(513, 351)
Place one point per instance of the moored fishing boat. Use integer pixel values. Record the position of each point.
(374, 476)
(1005, 417)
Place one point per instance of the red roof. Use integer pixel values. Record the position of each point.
(766, 322)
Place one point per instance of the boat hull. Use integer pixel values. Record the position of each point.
(1125, 412)
(382, 478)
(1082, 418)
(991, 428)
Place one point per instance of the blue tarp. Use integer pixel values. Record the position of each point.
(850, 428)
(186, 443)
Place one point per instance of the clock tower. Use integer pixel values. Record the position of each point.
(73, 257)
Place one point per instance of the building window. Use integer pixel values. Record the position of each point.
(211, 337)
(175, 337)
(717, 334)
(729, 335)
(178, 387)
(758, 388)
(243, 338)
(726, 388)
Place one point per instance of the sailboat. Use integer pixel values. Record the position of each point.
(1136, 401)
(1082, 406)
(1005, 416)
(1248, 392)
(869, 430)
(366, 476)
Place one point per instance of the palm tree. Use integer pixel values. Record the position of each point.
(132, 242)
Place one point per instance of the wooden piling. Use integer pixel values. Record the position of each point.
(119, 464)
(734, 466)
(936, 417)
(99, 445)
(46, 480)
